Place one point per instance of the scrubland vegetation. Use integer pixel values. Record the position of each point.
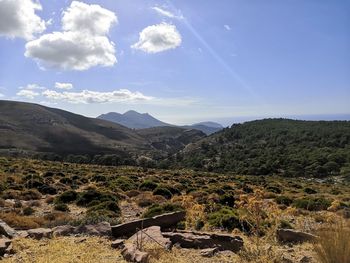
(45, 194)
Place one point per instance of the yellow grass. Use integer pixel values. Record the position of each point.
(64, 250)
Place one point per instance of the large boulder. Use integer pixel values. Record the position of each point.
(39, 233)
(293, 236)
(4, 246)
(198, 240)
(131, 254)
(100, 229)
(151, 235)
(6, 230)
(65, 230)
(164, 221)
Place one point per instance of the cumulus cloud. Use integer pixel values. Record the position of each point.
(91, 19)
(89, 97)
(158, 38)
(66, 86)
(18, 19)
(227, 27)
(83, 43)
(29, 94)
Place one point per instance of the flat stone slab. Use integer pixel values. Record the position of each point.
(198, 240)
(151, 235)
(39, 233)
(6, 230)
(294, 236)
(164, 221)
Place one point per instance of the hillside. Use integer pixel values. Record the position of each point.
(274, 146)
(170, 139)
(135, 120)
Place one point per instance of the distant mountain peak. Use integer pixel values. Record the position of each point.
(135, 120)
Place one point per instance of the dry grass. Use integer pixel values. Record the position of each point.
(22, 222)
(333, 245)
(64, 250)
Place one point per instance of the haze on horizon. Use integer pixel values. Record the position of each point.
(182, 62)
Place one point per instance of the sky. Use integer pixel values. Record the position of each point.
(181, 61)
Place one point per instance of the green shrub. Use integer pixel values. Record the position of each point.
(285, 224)
(148, 185)
(312, 204)
(309, 190)
(27, 211)
(102, 208)
(87, 197)
(163, 192)
(61, 207)
(124, 183)
(283, 200)
(158, 209)
(227, 200)
(67, 197)
(225, 218)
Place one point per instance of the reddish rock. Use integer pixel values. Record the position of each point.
(39, 233)
(151, 235)
(4, 245)
(293, 236)
(118, 243)
(6, 230)
(131, 254)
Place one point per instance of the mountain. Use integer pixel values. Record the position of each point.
(135, 120)
(30, 129)
(274, 146)
(35, 128)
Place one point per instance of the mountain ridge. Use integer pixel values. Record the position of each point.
(135, 120)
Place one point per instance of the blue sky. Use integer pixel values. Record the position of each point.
(182, 61)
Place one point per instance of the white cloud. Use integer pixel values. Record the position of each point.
(66, 86)
(91, 19)
(32, 87)
(30, 94)
(158, 38)
(2, 95)
(90, 97)
(227, 27)
(83, 44)
(18, 18)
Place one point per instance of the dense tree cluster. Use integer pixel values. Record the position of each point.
(275, 146)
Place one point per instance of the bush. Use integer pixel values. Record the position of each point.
(107, 208)
(157, 209)
(61, 207)
(163, 192)
(148, 185)
(225, 218)
(227, 200)
(124, 183)
(312, 204)
(309, 190)
(87, 197)
(283, 200)
(27, 211)
(67, 197)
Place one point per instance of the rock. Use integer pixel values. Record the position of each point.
(293, 236)
(22, 233)
(131, 254)
(4, 245)
(164, 221)
(118, 243)
(6, 230)
(64, 230)
(205, 240)
(151, 235)
(305, 259)
(287, 259)
(39, 233)
(209, 252)
(100, 229)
